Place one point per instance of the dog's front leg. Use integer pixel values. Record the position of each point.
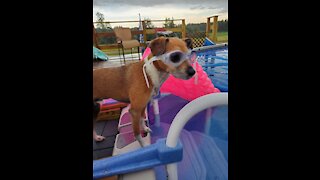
(136, 116)
(143, 124)
(138, 99)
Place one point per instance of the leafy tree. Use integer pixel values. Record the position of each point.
(148, 23)
(169, 23)
(102, 25)
(223, 25)
(201, 27)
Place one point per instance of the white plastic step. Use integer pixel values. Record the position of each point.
(125, 143)
(140, 175)
(125, 120)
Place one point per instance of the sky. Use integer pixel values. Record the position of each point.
(193, 11)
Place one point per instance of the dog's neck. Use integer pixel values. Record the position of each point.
(157, 76)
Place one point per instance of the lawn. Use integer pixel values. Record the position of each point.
(222, 37)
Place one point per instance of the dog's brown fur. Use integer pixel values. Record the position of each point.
(127, 83)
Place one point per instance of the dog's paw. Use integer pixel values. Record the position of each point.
(147, 129)
(140, 140)
(98, 138)
(142, 143)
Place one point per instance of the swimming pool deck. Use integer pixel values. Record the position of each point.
(115, 61)
(108, 129)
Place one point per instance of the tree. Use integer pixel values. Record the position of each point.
(169, 23)
(223, 25)
(200, 27)
(101, 25)
(148, 23)
(100, 17)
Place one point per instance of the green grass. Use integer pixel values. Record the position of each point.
(222, 36)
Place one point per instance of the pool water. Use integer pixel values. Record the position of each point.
(215, 63)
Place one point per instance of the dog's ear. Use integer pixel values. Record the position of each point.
(158, 46)
(189, 43)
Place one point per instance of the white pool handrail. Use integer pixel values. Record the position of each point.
(184, 115)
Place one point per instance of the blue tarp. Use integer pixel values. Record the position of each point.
(208, 42)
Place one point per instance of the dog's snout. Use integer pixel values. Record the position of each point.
(190, 71)
(175, 57)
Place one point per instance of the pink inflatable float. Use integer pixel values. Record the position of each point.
(191, 89)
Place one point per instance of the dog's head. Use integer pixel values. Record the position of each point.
(174, 54)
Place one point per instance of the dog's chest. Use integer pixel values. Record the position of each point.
(156, 77)
(156, 89)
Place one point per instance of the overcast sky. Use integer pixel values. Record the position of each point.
(193, 11)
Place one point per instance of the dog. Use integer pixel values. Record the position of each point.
(137, 83)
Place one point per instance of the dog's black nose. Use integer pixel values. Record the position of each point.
(190, 71)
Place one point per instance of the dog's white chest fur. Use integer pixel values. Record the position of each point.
(153, 73)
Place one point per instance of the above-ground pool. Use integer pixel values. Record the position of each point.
(214, 61)
(205, 136)
(204, 139)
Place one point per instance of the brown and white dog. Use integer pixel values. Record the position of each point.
(136, 83)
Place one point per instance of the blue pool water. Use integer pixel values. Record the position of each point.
(215, 63)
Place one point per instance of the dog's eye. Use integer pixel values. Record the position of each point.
(175, 57)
